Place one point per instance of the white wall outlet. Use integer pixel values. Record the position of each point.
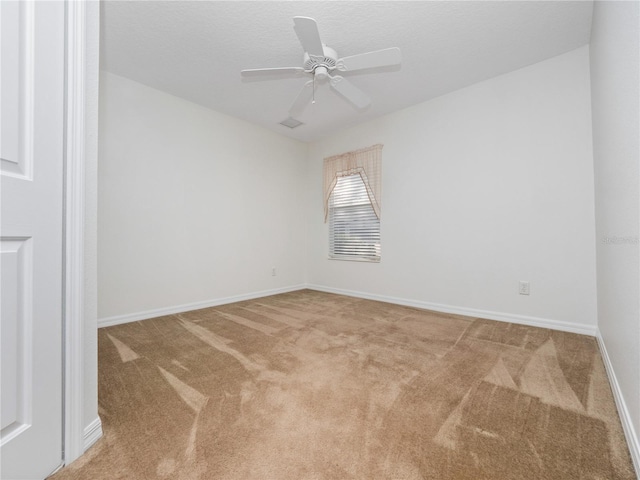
(523, 288)
(273, 272)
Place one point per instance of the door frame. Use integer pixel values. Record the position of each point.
(77, 437)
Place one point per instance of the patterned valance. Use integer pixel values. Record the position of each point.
(367, 162)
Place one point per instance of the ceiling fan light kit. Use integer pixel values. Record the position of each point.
(320, 61)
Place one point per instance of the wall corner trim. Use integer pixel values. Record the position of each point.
(625, 418)
(73, 320)
(92, 433)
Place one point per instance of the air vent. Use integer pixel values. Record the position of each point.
(291, 122)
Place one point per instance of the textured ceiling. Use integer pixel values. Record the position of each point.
(195, 50)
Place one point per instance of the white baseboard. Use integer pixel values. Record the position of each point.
(438, 307)
(623, 411)
(92, 433)
(469, 312)
(134, 317)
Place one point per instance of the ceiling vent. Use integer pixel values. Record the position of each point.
(291, 122)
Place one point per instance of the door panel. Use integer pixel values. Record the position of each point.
(17, 58)
(17, 393)
(31, 216)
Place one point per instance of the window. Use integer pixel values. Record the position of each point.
(352, 184)
(354, 227)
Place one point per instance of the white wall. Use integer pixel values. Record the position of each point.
(482, 187)
(194, 206)
(615, 79)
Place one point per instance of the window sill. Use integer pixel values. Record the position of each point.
(354, 259)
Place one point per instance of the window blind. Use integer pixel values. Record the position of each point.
(354, 227)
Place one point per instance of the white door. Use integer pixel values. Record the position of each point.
(31, 192)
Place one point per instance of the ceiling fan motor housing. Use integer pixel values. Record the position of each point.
(321, 66)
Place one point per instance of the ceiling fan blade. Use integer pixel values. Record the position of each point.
(307, 30)
(253, 72)
(378, 58)
(302, 100)
(349, 91)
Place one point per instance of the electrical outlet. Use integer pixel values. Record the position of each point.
(523, 288)
(273, 272)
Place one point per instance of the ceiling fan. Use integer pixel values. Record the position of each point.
(320, 62)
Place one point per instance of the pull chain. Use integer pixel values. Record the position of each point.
(313, 94)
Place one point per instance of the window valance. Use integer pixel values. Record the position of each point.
(367, 162)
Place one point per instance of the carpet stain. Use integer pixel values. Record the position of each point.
(126, 354)
(189, 395)
(311, 385)
(221, 344)
(544, 377)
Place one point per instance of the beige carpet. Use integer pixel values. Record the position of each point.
(309, 385)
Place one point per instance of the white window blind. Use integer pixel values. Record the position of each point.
(354, 228)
